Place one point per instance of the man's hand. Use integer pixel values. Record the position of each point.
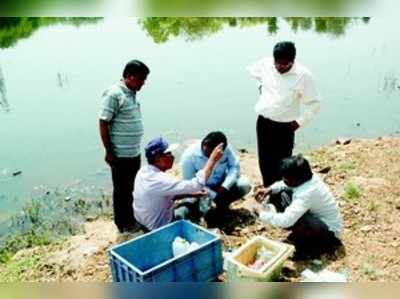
(217, 153)
(295, 125)
(215, 156)
(262, 193)
(109, 158)
(199, 194)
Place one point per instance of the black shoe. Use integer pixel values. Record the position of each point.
(212, 218)
(131, 229)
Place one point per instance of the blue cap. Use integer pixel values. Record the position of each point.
(158, 146)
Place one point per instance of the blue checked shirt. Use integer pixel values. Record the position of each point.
(226, 172)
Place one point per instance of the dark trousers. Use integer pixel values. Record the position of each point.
(223, 201)
(275, 141)
(309, 234)
(123, 173)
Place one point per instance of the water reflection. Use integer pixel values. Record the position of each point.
(161, 29)
(14, 29)
(251, 7)
(188, 8)
(3, 93)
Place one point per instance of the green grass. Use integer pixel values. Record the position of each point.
(370, 271)
(50, 218)
(14, 243)
(352, 191)
(347, 166)
(372, 206)
(21, 269)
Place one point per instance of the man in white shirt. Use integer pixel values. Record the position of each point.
(304, 205)
(155, 191)
(285, 86)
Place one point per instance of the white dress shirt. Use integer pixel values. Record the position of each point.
(154, 195)
(312, 196)
(282, 94)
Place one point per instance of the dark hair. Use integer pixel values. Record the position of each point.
(285, 50)
(213, 139)
(151, 160)
(135, 67)
(297, 168)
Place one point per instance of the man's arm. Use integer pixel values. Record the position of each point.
(233, 171)
(311, 99)
(105, 138)
(274, 188)
(256, 70)
(288, 218)
(175, 187)
(108, 110)
(215, 156)
(197, 194)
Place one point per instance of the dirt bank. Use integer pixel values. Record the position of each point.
(364, 175)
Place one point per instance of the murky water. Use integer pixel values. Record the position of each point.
(51, 82)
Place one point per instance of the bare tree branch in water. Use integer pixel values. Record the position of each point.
(3, 93)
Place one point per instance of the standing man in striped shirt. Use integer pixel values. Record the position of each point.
(121, 131)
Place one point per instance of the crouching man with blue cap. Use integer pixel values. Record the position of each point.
(155, 191)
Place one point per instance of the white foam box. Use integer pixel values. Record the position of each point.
(236, 262)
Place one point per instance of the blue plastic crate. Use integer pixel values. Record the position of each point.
(149, 257)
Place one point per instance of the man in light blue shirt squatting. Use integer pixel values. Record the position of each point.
(225, 184)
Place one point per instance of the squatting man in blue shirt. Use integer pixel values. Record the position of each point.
(225, 185)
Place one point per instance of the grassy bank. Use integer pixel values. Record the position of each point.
(50, 218)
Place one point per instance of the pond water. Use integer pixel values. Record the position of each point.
(51, 81)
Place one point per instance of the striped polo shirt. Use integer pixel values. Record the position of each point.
(121, 109)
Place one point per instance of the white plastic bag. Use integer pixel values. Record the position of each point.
(264, 254)
(322, 276)
(181, 246)
(193, 246)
